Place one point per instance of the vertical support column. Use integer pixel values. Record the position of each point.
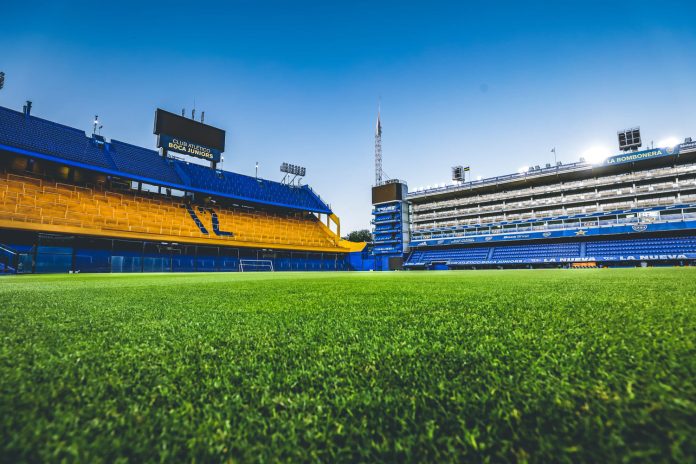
(73, 258)
(35, 255)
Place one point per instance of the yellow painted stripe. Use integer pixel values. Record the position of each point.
(65, 229)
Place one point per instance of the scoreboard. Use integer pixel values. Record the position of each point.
(188, 137)
(389, 191)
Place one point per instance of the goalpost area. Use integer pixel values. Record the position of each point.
(255, 265)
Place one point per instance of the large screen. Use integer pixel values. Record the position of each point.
(189, 130)
(387, 192)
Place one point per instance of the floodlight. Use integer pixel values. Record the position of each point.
(629, 139)
(292, 169)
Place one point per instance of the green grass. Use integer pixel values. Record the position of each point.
(539, 366)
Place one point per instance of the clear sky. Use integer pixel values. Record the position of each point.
(493, 85)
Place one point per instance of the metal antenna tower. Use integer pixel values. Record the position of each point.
(378, 149)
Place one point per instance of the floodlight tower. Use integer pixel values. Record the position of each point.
(390, 209)
(378, 149)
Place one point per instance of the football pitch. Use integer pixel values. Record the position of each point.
(538, 366)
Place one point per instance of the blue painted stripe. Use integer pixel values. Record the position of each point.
(148, 180)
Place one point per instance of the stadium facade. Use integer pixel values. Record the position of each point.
(637, 208)
(71, 202)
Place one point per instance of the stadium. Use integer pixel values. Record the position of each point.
(78, 203)
(162, 299)
(74, 203)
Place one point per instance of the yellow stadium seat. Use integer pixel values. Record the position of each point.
(33, 200)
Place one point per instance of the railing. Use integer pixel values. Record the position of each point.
(587, 223)
(496, 180)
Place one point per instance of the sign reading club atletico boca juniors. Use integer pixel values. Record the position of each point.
(188, 148)
(188, 136)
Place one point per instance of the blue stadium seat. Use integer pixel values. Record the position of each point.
(543, 251)
(558, 251)
(646, 246)
(251, 188)
(39, 135)
(450, 256)
(142, 162)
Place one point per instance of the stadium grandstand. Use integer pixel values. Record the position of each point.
(71, 202)
(637, 208)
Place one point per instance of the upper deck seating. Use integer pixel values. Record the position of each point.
(51, 140)
(248, 187)
(36, 134)
(142, 162)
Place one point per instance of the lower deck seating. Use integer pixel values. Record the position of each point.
(60, 207)
(449, 256)
(549, 250)
(653, 248)
(645, 246)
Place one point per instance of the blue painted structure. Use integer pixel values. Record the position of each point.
(390, 224)
(361, 260)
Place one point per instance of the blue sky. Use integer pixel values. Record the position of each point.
(493, 85)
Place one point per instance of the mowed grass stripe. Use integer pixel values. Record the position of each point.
(544, 366)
